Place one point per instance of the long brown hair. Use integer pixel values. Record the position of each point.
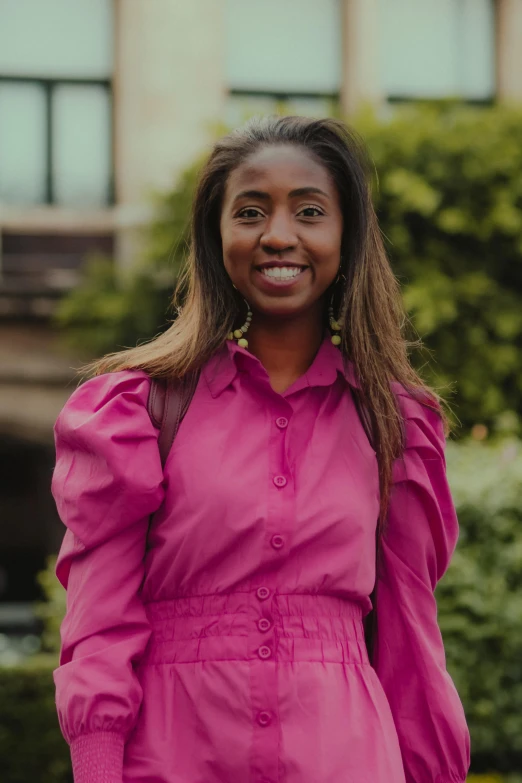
(209, 306)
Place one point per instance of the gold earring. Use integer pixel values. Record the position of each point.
(336, 324)
(238, 333)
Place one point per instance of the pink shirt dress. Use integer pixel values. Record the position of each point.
(225, 642)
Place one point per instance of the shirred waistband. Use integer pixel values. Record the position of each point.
(226, 626)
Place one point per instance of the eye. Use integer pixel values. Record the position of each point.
(249, 213)
(309, 209)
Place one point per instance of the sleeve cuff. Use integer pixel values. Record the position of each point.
(98, 757)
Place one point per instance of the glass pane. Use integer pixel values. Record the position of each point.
(284, 46)
(418, 47)
(477, 52)
(311, 107)
(52, 38)
(239, 108)
(22, 143)
(436, 50)
(81, 145)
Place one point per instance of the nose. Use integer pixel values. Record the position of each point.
(279, 233)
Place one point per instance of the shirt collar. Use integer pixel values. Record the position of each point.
(222, 368)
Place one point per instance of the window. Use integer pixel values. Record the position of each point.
(282, 52)
(437, 49)
(55, 102)
(22, 142)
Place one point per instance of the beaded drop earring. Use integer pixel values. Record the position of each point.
(336, 324)
(238, 333)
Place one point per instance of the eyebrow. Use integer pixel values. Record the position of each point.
(260, 194)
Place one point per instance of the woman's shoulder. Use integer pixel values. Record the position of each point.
(112, 384)
(422, 416)
(118, 388)
(105, 404)
(108, 470)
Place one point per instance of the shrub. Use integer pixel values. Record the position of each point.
(32, 749)
(109, 311)
(480, 598)
(52, 610)
(449, 199)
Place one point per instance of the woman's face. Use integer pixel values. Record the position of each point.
(281, 228)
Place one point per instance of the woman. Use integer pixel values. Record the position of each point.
(224, 641)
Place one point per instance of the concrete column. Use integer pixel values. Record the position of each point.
(169, 88)
(361, 77)
(509, 50)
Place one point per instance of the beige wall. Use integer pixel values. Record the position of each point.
(169, 85)
(168, 90)
(360, 83)
(509, 50)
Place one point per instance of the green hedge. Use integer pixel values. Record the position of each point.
(32, 749)
(480, 598)
(449, 199)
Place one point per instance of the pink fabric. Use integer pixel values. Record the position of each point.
(226, 644)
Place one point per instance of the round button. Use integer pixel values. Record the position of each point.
(277, 542)
(264, 652)
(262, 593)
(264, 625)
(280, 481)
(282, 422)
(264, 718)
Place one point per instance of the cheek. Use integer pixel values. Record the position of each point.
(237, 246)
(327, 245)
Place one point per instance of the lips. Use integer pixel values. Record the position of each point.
(282, 272)
(281, 265)
(271, 278)
(277, 270)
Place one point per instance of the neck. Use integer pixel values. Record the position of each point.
(285, 347)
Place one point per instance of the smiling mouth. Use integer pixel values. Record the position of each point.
(282, 272)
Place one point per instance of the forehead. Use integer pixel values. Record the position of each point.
(286, 167)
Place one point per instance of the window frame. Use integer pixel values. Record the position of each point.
(49, 85)
(282, 96)
(398, 100)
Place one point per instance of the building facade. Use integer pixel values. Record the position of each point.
(103, 102)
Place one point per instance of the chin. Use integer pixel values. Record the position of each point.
(281, 308)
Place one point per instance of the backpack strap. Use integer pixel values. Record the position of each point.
(370, 621)
(364, 416)
(167, 404)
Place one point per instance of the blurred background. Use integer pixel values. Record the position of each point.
(107, 108)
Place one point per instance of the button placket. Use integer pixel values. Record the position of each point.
(264, 638)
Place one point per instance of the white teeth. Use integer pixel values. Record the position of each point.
(283, 272)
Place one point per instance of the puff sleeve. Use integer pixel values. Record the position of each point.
(409, 657)
(107, 481)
